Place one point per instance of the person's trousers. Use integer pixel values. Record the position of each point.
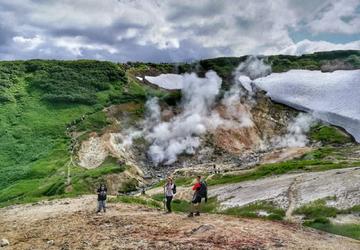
(101, 205)
(168, 202)
(195, 207)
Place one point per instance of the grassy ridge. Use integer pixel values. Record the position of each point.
(224, 66)
(329, 135)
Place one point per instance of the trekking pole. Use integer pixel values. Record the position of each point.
(164, 197)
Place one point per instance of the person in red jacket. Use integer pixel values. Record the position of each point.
(200, 191)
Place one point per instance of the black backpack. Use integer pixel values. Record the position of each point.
(174, 189)
(203, 189)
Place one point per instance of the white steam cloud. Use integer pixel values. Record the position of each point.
(296, 132)
(181, 133)
(200, 113)
(252, 68)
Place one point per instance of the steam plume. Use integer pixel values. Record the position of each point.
(297, 129)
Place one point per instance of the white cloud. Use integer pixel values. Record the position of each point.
(76, 44)
(307, 46)
(340, 17)
(28, 43)
(171, 30)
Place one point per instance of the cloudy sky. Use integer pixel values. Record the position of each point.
(160, 30)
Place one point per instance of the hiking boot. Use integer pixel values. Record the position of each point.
(197, 214)
(190, 215)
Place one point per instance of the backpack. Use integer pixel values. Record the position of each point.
(203, 190)
(174, 189)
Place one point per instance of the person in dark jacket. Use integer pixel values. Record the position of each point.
(102, 192)
(200, 191)
(170, 190)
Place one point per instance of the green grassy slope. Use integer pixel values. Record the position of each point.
(39, 100)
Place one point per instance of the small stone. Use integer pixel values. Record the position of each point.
(50, 242)
(202, 228)
(4, 243)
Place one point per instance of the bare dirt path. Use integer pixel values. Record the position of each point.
(72, 224)
(292, 196)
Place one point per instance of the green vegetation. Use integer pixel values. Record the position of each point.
(252, 211)
(41, 100)
(282, 63)
(224, 66)
(140, 200)
(129, 186)
(54, 184)
(93, 122)
(278, 169)
(354, 60)
(348, 230)
(317, 214)
(316, 210)
(73, 81)
(328, 135)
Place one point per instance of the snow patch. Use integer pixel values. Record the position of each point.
(332, 97)
(167, 81)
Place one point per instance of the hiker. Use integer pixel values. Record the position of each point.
(215, 170)
(102, 190)
(170, 191)
(200, 191)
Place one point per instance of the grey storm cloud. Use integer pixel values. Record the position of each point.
(170, 30)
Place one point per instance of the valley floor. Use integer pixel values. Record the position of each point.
(72, 224)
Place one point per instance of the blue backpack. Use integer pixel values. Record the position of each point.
(203, 189)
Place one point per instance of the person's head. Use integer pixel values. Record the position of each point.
(169, 179)
(198, 178)
(102, 186)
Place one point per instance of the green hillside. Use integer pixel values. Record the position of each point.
(39, 100)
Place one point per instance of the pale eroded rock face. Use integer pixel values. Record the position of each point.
(306, 187)
(240, 133)
(93, 152)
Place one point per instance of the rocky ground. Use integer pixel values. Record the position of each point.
(291, 191)
(72, 224)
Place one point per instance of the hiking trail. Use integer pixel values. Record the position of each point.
(292, 196)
